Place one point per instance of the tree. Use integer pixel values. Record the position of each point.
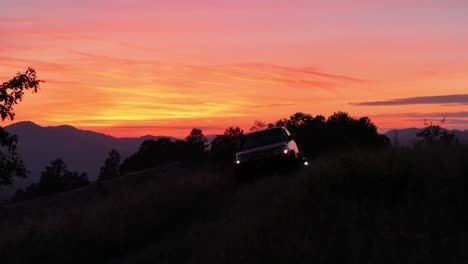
(111, 168)
(197, 139)
(258, 125)
(50, 181)
(195, 146)
(234, 132)
(298, 119)
(11, 93)
(281, 122)
(347, 131)
(317, 135)
(155, 152)
(224, 147)
(54, 178)
(73, 180)
(434, 134)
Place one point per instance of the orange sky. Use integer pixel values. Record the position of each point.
(130, 68)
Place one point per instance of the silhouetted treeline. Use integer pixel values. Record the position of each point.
(152, 153)
(369, 204)
(316, 135)
(435, 135)
(55, 178)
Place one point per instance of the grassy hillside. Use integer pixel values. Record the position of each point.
(358, 206)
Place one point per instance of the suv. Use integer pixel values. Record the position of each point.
(273, 146)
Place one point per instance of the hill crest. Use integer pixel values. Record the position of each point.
(82, 150)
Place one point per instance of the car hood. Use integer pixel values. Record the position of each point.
(262, 148)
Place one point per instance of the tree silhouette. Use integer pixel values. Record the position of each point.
(195, 146)
(150, 154)
(316, 135)
(258, 125)
(73, 180)
(197, 138)
(298, 119)
(50, 181)
(224, 147)
(282, 122)
(111, 168)
(348, 131)
(434, 134)
(156, 152)
(163, 151)
(11, 92)
(54, 178)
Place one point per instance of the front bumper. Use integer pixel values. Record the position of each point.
(279, 160)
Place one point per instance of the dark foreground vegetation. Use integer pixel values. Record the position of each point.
(11, 93)
(360, 205)
(315, 135)
(361, 201)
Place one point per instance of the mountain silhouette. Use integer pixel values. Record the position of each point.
(407, 136)
(82, 150)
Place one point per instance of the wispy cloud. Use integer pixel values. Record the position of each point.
(439, 99)
(140, 64)
(462, 114)
(254, 74)
(307, 71)
(272, 105)
(164, 127)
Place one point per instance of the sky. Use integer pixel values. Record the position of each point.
(138, 67)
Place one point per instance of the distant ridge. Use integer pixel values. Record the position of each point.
(408, 136)
(86, 150)
(82, 150)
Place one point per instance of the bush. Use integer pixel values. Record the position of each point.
(54, 179)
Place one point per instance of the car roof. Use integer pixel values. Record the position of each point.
(271, 128)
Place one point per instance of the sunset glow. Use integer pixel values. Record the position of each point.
(131, 68)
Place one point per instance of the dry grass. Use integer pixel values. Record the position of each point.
(89, 224)
(358, 206)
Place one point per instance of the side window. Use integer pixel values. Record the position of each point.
(287, 136)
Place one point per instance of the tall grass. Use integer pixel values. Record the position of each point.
(393, 206)
(90, 224)
(397, 205)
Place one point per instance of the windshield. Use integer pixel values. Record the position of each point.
(265, 137)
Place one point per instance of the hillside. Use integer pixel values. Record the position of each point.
(388, 206)
(82, 150)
